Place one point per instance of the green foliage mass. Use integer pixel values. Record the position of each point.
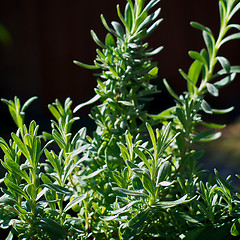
(138, 176)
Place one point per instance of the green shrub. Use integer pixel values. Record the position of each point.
(138, 176)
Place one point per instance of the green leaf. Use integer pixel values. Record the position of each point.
(206, 107)
(136, 225)
(74, 201)
(122, 18)
(212, 89)
(154, 52)
(93, 174)
(108, 28)
(91, 101)
(142, 156)
(224, 63)
(186, 77)
(84, 65)
(235, 229)
(126, 103)
(180, 140)
(124, 151)
(27, 103)
(57, 188)
(59, 139)
(153, 72)
(128, 16)
(181, 116)
(236, 26)
(163, 171)
(16, 189)
(166, 114)
(197, 56)
(222, 111)
(202, 28)
(209, 41)
(154, 26)
(152, 136)
(7, 199)
(147, 183)
(96, 40)
(137, 183)
(203, 134)
(125, 208)
(172, 93)
(229, 38)
(225, 81)
(234, 10)
(234, 69)
(148, 20)
(193, 73)
(118, 28)
(129, 192)
(140, 19)
(109, 40)
(54, 230)
(10, 235)
(169, 204)
(213, 125)
(15, 168)
(224, 185)
(54, 160)
(21, 146)
(212, 137)
(150, 5)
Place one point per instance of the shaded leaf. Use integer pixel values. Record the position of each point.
(52, 228)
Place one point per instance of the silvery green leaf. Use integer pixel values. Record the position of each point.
(212, 89)
(206, 107)
(74, 201)
(57, 188)
(225, 81)
(129, 192)
(169, 204)
(224, 63)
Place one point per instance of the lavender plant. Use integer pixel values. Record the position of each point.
(139, 175)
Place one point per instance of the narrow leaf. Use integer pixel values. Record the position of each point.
(84, 65)
(96, 40)
(229, 38)
(197, 56)
(75, 201)
(206, 107)
(201, 27)
(222, 111)
(57, 188)
(172, 93)
(169, 204)
(15, 188)
(27, 103)
(129, 192)
(212, 89)
(224, 63)
(21, 146)
(91, 101)
(193, 74)
(152, 136)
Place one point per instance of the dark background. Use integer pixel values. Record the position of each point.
(47, 35)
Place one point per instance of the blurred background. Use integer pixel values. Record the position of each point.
(40, 39)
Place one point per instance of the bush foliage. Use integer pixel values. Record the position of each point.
(137, 176)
